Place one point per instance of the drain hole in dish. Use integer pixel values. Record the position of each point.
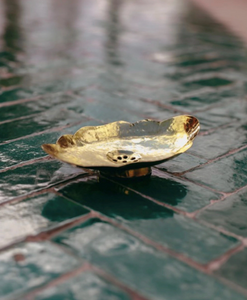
(123, 156)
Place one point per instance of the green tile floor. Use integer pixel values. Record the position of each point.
(65, 234)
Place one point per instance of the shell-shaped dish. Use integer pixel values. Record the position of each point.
(126, 145)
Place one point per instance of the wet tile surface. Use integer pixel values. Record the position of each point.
(179, 193)
(226, 174)
(182, 163)
(30, 178)
(125, 257)
(34, 215)
(85, 286)
(229, 214)
(30, 265)
(216, 144)
(150, 219)
(83, 63)
(17, 152)
(48, 120)
(231, 271)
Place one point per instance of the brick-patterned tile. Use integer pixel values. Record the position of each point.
(226, 174)
(150, 219)
(29, 148)
(183, 162)
(64, 65)
(45, 121)
(83, 287)
(216, 144)
(35, 106)
(207, 99)
(130, 261)
(24, 180)
(35, 214)
(29, 265)
(233, 269)
(229, 214)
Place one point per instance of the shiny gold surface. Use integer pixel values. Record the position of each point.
(126, 146)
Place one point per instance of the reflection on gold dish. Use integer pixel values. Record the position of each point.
(126, 150)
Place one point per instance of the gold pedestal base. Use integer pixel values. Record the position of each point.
(125, 174)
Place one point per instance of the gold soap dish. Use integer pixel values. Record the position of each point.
(126, 150)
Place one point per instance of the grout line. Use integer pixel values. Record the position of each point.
(231, 284)
(166, 106)
(190, 215)
(224, 197)
(46, 234)
(222, 230)
(180, 256)
(212, 130)
(212, 202)
(201, 185)
(26, 163)
(64, 277)
(84, 268)
(148, 197)
(215, 264)
(94, 214)
(178, 176)
(203, 90)
(32, 194)
(73, 94)
(133, 294)
(49, 188)
(19, 118)
(233, 151)
(207, 269)
(9, 88)
(24, 100)
(55, 129)
(100, 272)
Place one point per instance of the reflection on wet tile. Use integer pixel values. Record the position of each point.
(130, 261)
(113, 58)
(173, 191)
(123, 99)
(215, 144)
(148, 218)
(34, 215)
(21, 181)
(207, 99)
(15, 94)
(30, 148)
(229, 214)
(84, 287)
(234, 269)
(35, 106)
(12, 81)
(211, 120)
(225, 175)
(47, 120)
(211, 82)
(109, 113)
(182, 162)
(30, 265)
(35, 87)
